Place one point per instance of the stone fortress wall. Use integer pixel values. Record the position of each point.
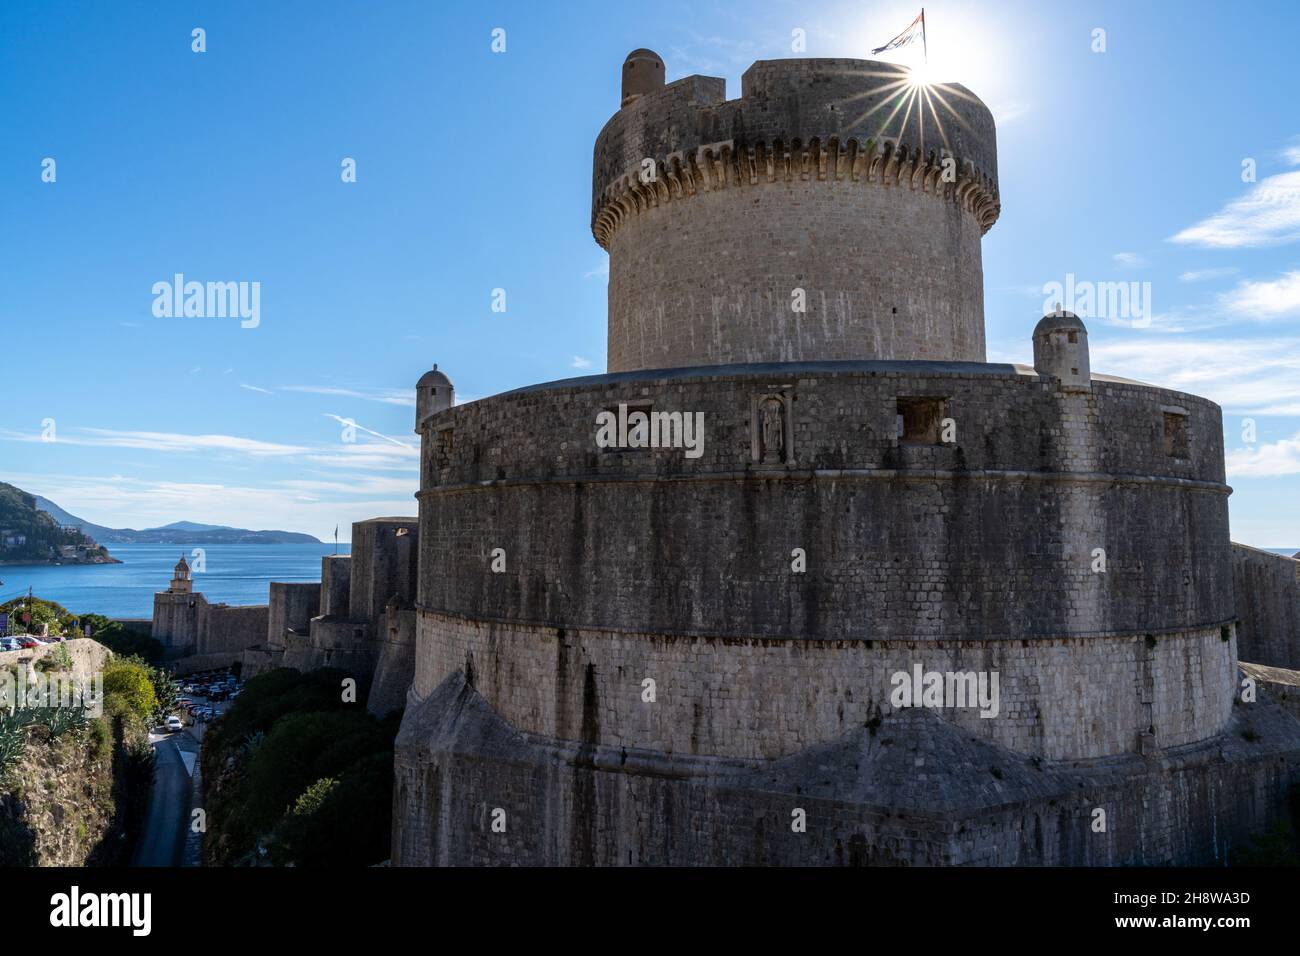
(647, 564)
(948, 513)
(187, 625)
(358, 618)
(292, 606)
(363, 598)
(1267, 588)
(971, 551)
(713, 211)
(176, 620)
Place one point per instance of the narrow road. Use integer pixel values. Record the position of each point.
(162, 843)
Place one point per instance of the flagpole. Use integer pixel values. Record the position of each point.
(925, 47)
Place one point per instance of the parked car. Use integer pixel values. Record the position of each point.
(27, 642)
(174, 725)
(184, 702)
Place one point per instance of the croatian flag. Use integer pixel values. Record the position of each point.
(916, 31)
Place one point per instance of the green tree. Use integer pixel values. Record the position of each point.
(128, 684)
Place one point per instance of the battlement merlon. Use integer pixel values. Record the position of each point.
(796, 118)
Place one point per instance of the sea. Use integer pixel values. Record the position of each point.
(231, 573)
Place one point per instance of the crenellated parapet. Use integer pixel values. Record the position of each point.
(836, 210)
(860, 121)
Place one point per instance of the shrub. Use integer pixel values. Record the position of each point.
(99, 736)
(121, 641)
(128, 687)
(57, 660)
(293, 768)
(342, 821)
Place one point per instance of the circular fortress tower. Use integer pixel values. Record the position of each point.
(834, 211)
(653, 648)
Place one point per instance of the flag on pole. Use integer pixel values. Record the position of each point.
(914, 32)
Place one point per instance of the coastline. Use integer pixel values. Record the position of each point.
(62, 562)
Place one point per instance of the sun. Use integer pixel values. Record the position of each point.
(921, 74)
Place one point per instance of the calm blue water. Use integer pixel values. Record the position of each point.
(236, 574)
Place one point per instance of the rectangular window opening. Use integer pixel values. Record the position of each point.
(1176, 435)
(920, 420)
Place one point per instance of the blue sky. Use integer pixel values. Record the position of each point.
(473, 173)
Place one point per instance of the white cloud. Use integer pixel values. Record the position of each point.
(161, 441)
(1202, 275)
(1265, 299)
(389, 396)
(1129, 260)
(125, 502)
(392, 456)
(1270, 460)
(1268, 215)
(352, 423)
(255, 388)
(1245, 376)
(580, 362)
(1007, 111)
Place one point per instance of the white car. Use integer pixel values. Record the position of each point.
(174, 725)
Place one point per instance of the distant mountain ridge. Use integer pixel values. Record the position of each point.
(178, 532)
(30, 536)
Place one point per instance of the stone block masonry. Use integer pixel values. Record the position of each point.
(763, 699)
(716, 211)
(908, 790)
(292, 606)
(903, 541)
(625, 654)
(1267, 588)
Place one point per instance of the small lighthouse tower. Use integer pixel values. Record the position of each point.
(181, 581)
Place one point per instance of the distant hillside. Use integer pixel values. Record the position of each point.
(178, 532)
(29, 535)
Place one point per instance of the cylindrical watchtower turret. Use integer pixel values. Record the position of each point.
(834, 211)
(643, 72)
(433, 393)
(1061, 350)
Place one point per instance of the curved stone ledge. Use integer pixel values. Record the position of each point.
(839, 474)
(912, 641)
(1056, 699)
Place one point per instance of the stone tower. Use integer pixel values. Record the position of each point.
(181, 581)
(1061, 350)
(822, 215)
(643, 72)
(647, 655)
(433, 393)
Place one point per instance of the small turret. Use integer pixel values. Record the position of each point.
(1061, 350)
(643, 72)
(181, 582)
(433, 393)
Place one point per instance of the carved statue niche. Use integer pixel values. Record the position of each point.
(770, 429)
